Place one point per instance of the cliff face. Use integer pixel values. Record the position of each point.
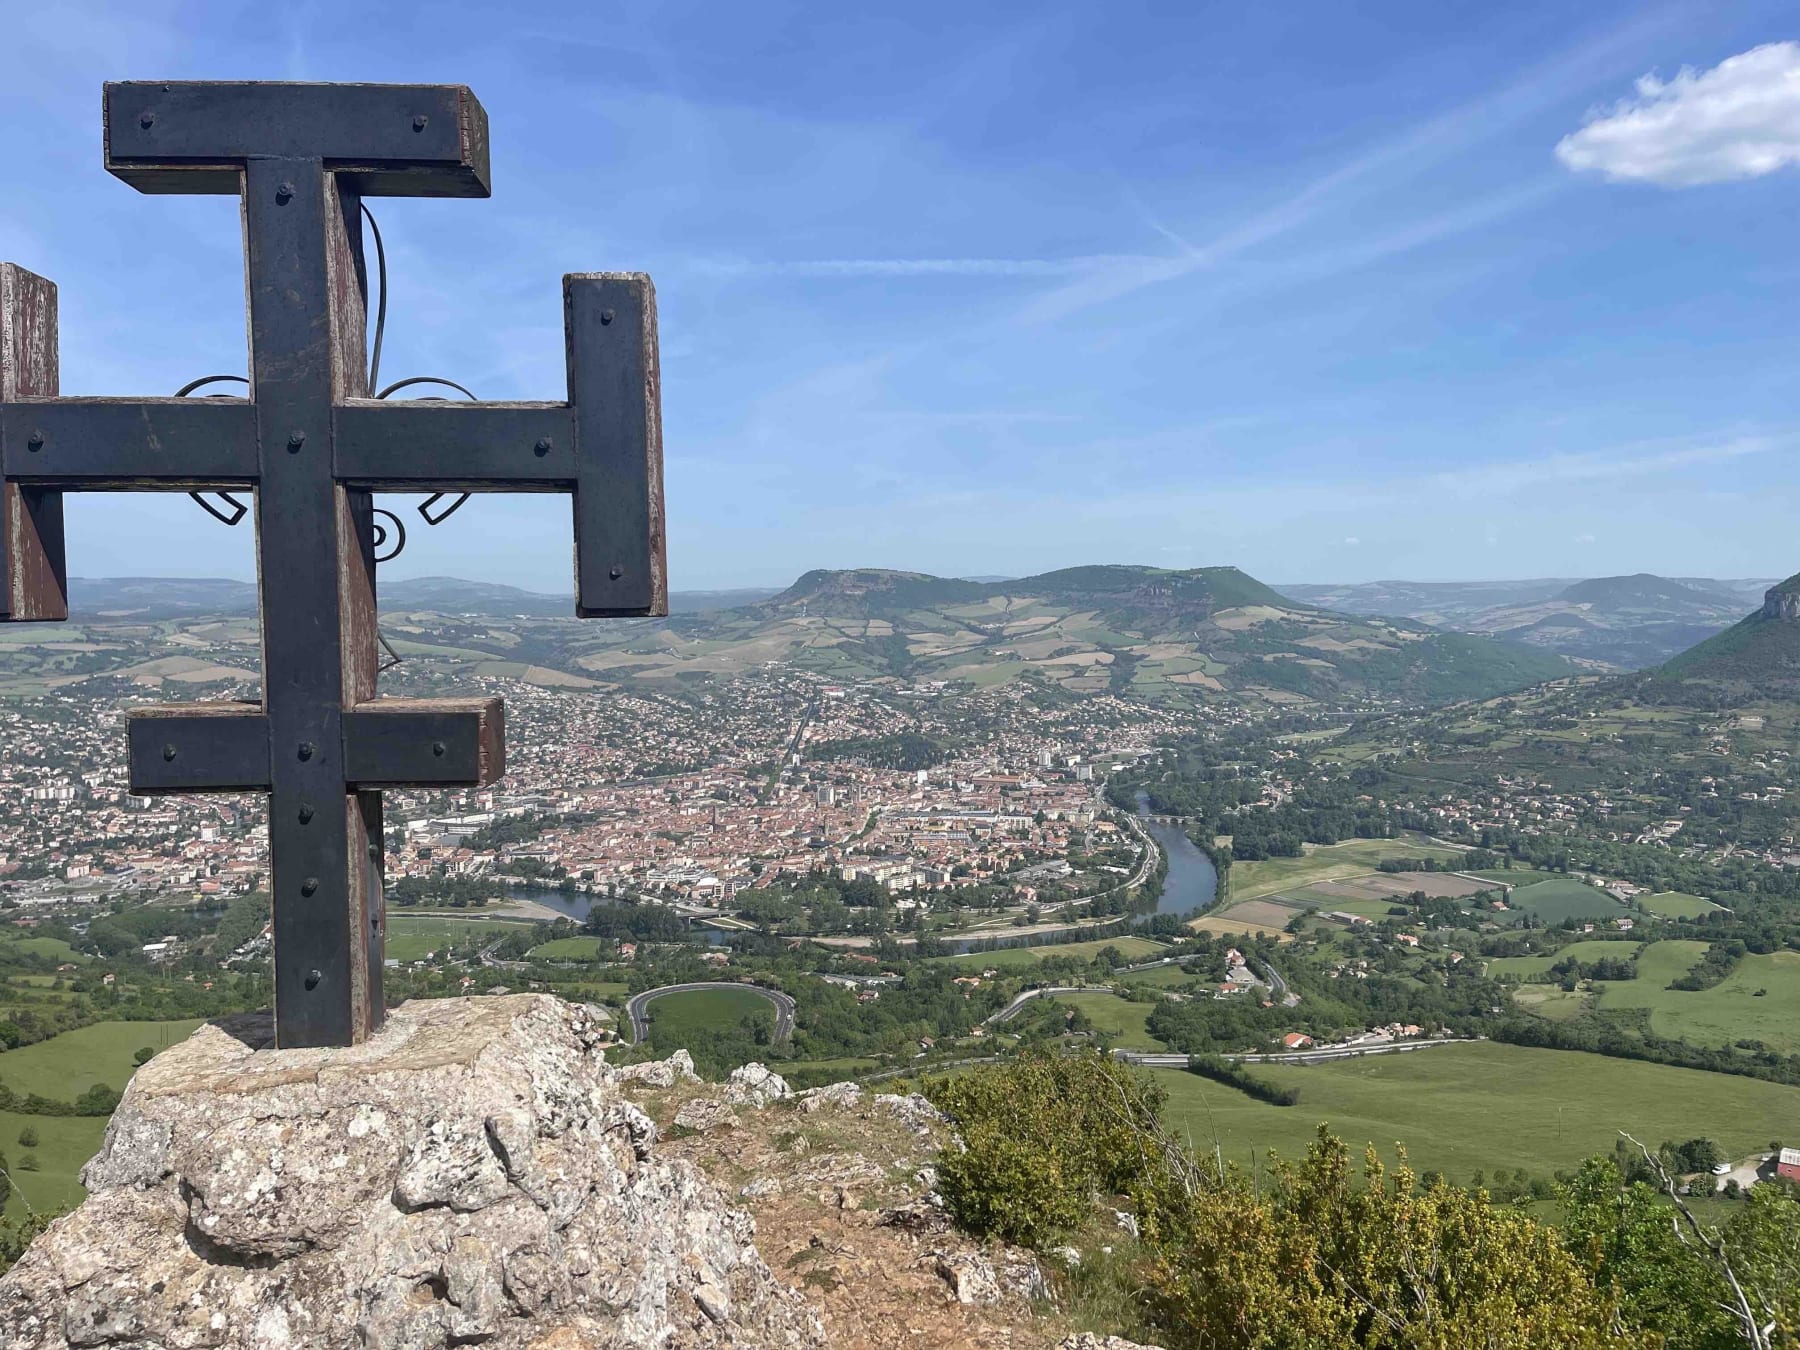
(471, 1175)
(1782, 603)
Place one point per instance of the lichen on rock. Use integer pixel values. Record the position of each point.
(468, 1175)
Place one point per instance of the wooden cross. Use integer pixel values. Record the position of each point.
(314, 446)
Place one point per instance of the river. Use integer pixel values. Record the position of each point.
(1193, 881)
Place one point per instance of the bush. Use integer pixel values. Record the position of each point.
(1042, 1137)
(29, 1136)
(28, 1162)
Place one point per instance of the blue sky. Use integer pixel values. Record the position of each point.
(1421, 289)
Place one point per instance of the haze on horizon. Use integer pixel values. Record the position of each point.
(1435, 295)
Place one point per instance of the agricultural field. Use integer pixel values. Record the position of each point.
(1531, 967)
(1109, 1013)
(567, 949)
(1760, 1000)
(1325, 862)
(1163, 977)
(1238, 922)
(1550, 902)
(1550, 1001)
(65, 1066)
(1013, 958)
(1464, 1108)
(64, 1144)
(675, 1017)
(1676, 905)
(413, 937)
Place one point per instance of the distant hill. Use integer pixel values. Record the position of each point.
(1619, 623)
(1165, 635)
(1757, 657)
(177, 597)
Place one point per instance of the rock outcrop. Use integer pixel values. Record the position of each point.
(471, 1175)
(1782, 603)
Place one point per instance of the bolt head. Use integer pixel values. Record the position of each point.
(306, 749)
(616, 572)
(420, 122)
(296, 439)
(543, 446)
(146, 119)
(437, 748)
(284, 193)
(309, 886)
(313, 977)
(606, 316)
(168, 752)
(306, 814)
(35, 442)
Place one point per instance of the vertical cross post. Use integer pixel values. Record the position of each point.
(315, 446)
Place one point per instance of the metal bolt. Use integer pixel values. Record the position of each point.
(308, 886)
(306, 813)
(616, 572)
(296, 439)
(168, 752)
(284, 193)
(35, 442)
(420, 122)
(437, 748)
(543, 446)
(312, 979)
(606, 316)
(146, 119)
(306, 749)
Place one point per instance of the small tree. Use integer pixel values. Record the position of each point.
(28, 1136)
(28, 1162)
(144, 1056)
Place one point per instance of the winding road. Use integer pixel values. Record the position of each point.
(637, 1008)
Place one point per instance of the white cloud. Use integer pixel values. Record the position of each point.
(1741, 119)
(1352, 540)
(1584, 539)
(926, 267)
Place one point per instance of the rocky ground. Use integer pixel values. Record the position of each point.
(841, 1186)
(478, 1174)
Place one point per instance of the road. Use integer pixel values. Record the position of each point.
(1280, 987)
(640, 1018)
(1011, 1010)
(1322, 1055)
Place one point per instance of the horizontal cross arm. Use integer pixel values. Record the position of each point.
(224, 747)
(421, 445)
(398, 140)
(93, 444)
(425, 742)
(198, 747)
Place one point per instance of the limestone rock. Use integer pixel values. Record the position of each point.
(970, 1275)
(1087, 1340)
(912, 1110)
(662, 1073)
(705, 1113)
(469, 1175)
(755, 1085)
(843, 1095)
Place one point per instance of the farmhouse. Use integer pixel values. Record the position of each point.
(1788, 1165)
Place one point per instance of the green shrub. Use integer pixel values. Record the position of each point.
(1042, 1137)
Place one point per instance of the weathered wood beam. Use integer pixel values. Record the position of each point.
(388, 743)
(427, 742)
(197, 747)
(122, 444)
(396, 140)
(433, 446)
(34, 582)
(615, 388)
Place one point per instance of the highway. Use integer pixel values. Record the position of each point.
(1322, 1055)
(1011, 1010)
(640, 1018)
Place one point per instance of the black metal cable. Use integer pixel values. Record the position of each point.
(381, 307)
(238, 509)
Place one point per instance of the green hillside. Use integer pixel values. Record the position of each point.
(1176, 636)
(1759, 656)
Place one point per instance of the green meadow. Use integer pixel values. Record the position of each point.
(1760, 1000)
(1463, 1108)
(675, 1017)
(413, 937)
(1010, 958)
(1325, 862)
(1113, 1015)
(1528, 967)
